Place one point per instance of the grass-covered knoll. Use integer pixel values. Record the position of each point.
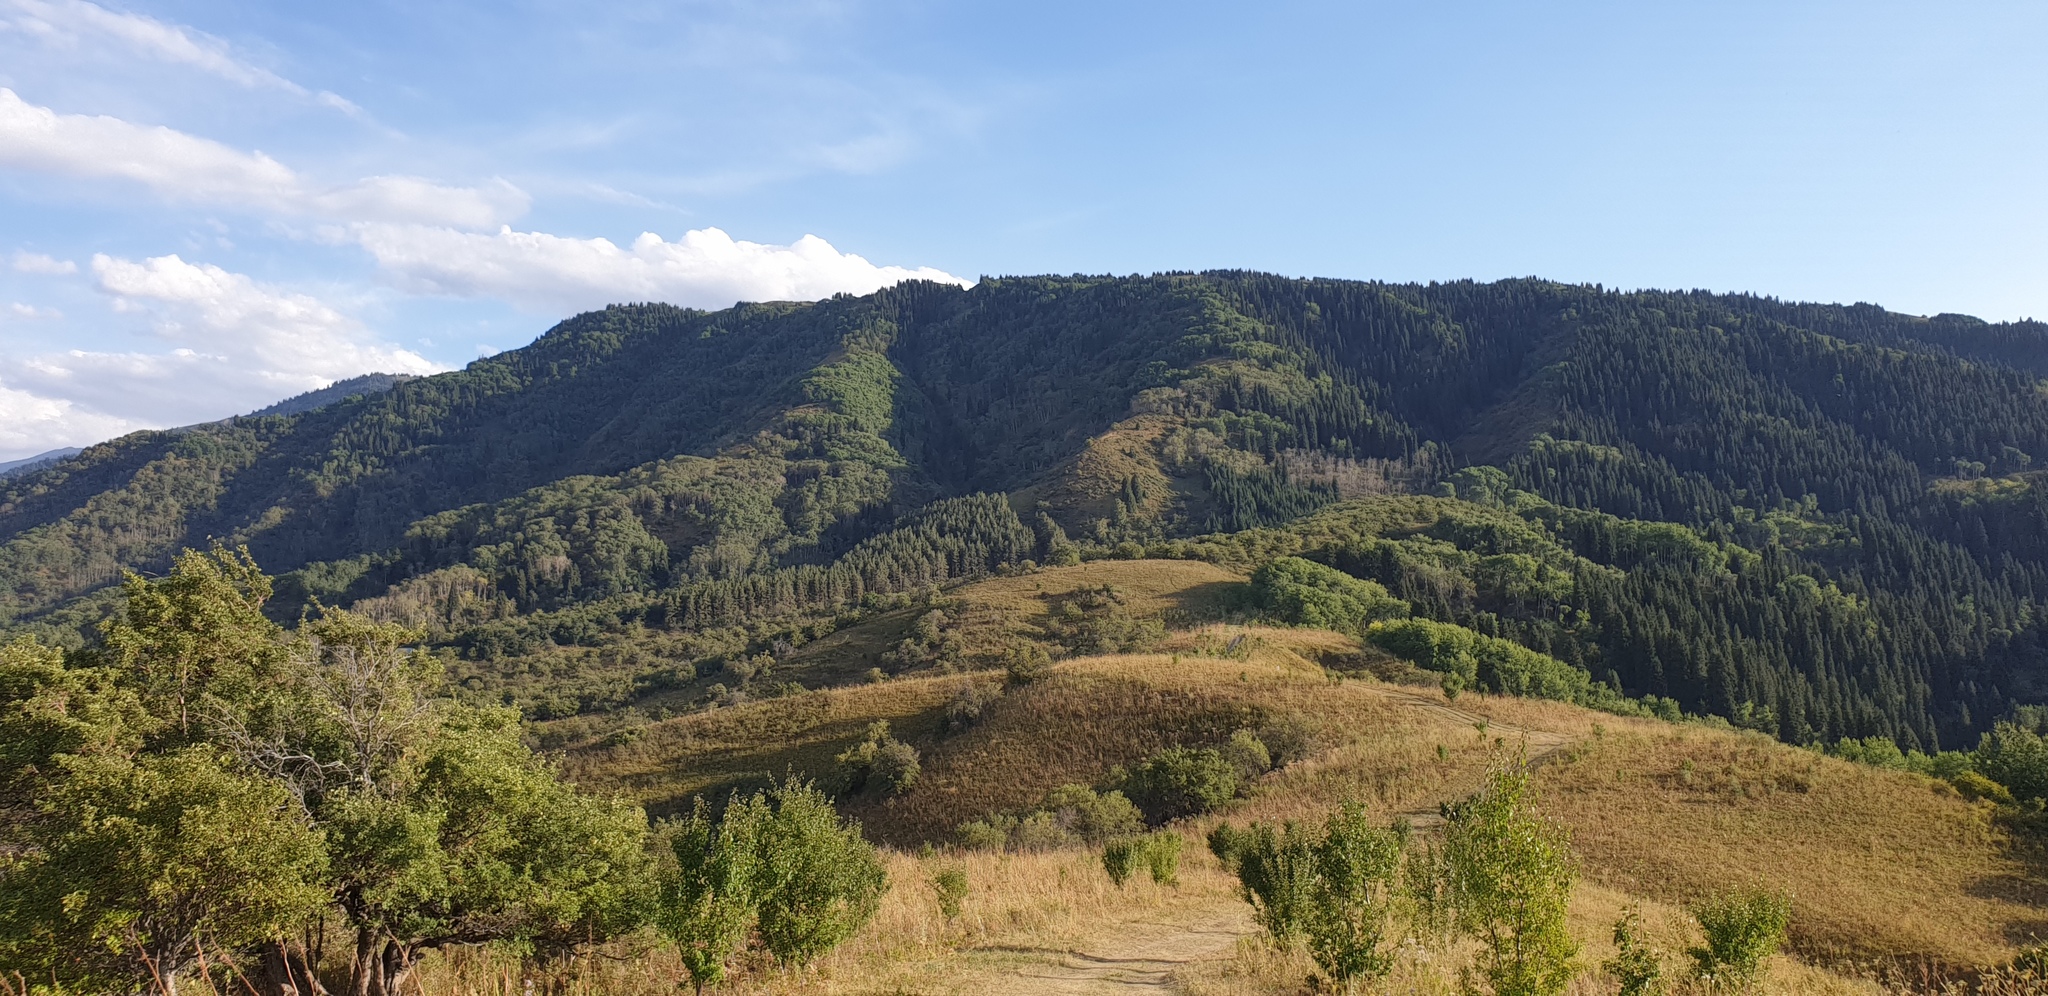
(1879, 863)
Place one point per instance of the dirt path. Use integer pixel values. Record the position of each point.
(1540, 744)
(1144, 957)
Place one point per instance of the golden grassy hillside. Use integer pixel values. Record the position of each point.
(1882, 865)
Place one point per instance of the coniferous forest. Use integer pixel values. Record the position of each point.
(1816, 521)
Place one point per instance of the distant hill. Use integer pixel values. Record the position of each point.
(40, 460)
(1815, 520)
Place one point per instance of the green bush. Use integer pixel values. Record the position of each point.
(1247, 755)
(1181, 782)
(1288, 738)
(1636, 966)
(949, 885)
(1974, 786)
(1093, 816)
(988, 834)
(1162, 857)
(1121, 857)
(1351, 900)
(879, 763)
(1276, 871)
(1743, 927)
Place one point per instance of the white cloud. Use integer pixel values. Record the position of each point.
(229, 345)
(67, 22)
(35, 262)
(188, 168)
(705, 268)
(31, 313)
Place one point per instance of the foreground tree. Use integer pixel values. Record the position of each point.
(1351, 903)
(194, 792)
(1510, 875)
(142, 869)
(820, 879)
(707, 899)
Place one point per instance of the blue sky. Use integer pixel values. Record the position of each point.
(206, 206)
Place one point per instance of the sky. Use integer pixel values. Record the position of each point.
(207, 205)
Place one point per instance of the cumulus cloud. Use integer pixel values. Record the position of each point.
(69, 22)
(228, 345)
(35, 262)
(185, 167)
(705, 268)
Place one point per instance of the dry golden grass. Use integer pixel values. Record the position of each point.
(711, 753)
(1880, 864)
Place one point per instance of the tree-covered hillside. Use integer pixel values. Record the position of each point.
(1823, 521)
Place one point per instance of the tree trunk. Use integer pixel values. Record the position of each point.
(366, 971)
(283, 968)
(396, 966)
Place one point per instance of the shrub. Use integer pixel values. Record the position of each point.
(1352, 896)
(1226, 842)
(950, 886)
(989, 834)
(1247, 755)
(706, 900)
(1510, 876)
(2015, 758)
(1288, 738)
(1743, 927)
(1635, 966)
(1276, 870)
(964, 709)
(1120, 857)
(1974, 786)
(1039, 831)
(820, 880)
(1181, 782)
(880, 762)
(896, 765)
(1025, 664)
(1162, 857)
(1092, 816)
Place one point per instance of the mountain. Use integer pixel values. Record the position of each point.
(1820, 521)
(43, 459)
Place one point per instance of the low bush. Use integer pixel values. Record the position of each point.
(1742, 927)
(1157, 853)
(949, 886)
(1247, 755)
(1181, 782)
(1636, 966)
(1069, 814)
(1310, 594)
(880, 762)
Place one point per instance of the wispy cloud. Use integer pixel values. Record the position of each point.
(185, 167)
(75, 22)
(35, 262)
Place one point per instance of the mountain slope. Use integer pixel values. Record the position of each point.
(1819, 521)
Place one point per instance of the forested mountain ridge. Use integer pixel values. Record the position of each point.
(1814, 519)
